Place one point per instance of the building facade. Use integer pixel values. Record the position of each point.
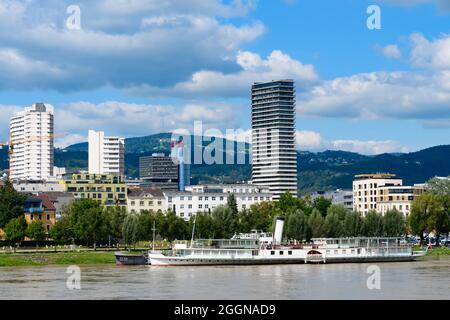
(338, 197)
(107, 189)
(383, 192)
(205, 198)
(40, 208)
(398, 198)
(159, 171)
(146, 199)
(106, 154)
(38, 186)
(31, 143)
(274, 156)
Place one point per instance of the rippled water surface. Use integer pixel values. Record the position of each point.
(428, 279)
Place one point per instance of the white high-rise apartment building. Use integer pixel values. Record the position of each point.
(274, 157)
(106, 154)
(31, 142)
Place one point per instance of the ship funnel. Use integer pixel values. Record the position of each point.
(278, 234)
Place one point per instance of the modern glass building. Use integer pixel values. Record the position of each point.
(274, 157)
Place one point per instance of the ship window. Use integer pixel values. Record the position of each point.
(272, 253)
(344, 251)
(328, 251)
(290, 253)
(281, 253)
(335, 252)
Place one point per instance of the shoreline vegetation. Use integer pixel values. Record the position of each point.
(90, 257)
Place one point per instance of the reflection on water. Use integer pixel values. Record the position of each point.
(429, 279)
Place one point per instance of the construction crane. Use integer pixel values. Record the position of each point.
(12, 143)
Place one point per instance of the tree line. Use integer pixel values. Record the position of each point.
(88, 222)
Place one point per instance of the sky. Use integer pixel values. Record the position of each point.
(140, 67)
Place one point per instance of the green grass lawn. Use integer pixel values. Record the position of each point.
(62, 258)
(441, 251)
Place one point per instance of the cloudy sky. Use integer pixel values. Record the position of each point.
(138, 67)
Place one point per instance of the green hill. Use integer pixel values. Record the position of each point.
(317, 171)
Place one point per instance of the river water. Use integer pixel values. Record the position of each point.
(428, 279)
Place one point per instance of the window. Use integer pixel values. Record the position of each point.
(181, 206)
(48, 217)
(281, 253)
(182, 198)
(133, 203)
(290, 253)
(141, 203)
(200, 206)
(40, 216)
(190, 206)
(213, 198)
(221, 198)
(272, 253)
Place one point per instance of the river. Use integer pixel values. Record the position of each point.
(427, 279)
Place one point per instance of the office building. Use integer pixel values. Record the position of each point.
(159, 171)
(106, 154)
(338, 197)
(274, 156)
(31, 143)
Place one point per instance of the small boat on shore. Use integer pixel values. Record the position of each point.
(264, 248)
(127, 259)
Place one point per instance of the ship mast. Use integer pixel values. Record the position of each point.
(153, 243)
(193, 230)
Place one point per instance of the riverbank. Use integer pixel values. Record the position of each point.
(59, 258)
(441, 251)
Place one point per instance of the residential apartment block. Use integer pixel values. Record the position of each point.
(31, 143)
(107, 189)
(397, 197)
(106, 154)
(206, 198)
(383, 192)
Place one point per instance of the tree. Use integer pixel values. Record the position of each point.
(61, 231)
(297, 226)
(232, 204)
(130, 230)
(439, 186)
(15, 230)
(316, 224)
(11, 204)
(115, 217)
(258, 217)
(334, 221)
(322, 204)
(439, 220)
(352, 225)
(372, 225)
(36, 231)
(174, 227)
(87, 221)
(422, 209)
(225, 224)
(393, 224)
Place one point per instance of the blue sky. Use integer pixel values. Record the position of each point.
(140, 67)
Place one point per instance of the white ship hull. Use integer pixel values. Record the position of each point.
(298, 256)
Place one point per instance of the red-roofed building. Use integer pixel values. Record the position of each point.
(39, 207)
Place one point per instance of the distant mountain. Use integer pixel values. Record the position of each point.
(317, 171)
